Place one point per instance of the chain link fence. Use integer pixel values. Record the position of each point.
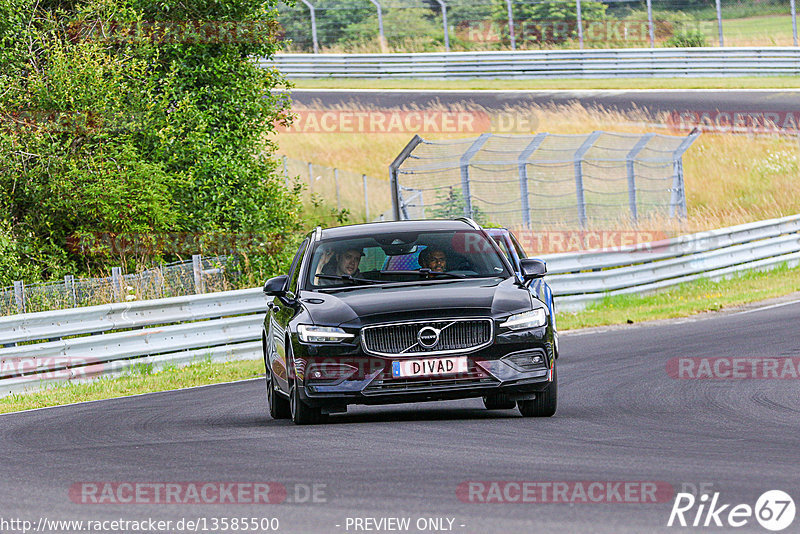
(369, 26)
(532, 181)
(201, 275)
(366, 199)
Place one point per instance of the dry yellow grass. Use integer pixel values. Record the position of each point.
(730, 179)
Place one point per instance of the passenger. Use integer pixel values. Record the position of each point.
(433, 258)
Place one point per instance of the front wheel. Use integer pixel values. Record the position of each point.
(302, 413)
(544, 405)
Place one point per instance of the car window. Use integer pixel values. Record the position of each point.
(520, 251)
(504, 247)
(294, 270)
(398, 257)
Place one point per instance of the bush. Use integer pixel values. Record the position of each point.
(687, 38)
(404, 29)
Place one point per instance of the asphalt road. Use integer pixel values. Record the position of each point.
(779, 101)
(620, 418)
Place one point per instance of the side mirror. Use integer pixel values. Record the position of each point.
(532, 268)
(276, 287)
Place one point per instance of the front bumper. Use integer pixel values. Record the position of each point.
(506, 367)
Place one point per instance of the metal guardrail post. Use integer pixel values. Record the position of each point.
(719, 22)
(313, 26)
(197, 270)
(579, 175)
(629, 164)
(650, 24)
(511, 34)
(464, 164)
(677, 203)
(381, 37)
(579, 18)
(444, 23)
(794, 21)
(366, 199)
(522, 163)
(19, 295)
(398, 207)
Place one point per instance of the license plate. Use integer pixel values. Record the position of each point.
(429, 367)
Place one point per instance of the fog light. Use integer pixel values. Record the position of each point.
(329, 372)
(526, 361)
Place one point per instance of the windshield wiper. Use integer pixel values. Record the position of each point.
(426, 273)
(348, 278)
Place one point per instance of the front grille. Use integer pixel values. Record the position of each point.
(400, 339)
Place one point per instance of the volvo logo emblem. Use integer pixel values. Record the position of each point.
(428, 337)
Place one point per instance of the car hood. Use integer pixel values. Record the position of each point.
(450, 298)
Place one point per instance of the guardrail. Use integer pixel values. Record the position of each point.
(580, 278)
(595, 63)
(80, 343)
(44, 348)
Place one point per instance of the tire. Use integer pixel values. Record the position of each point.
(300, 412)
(498, 401)
(545, 403)
(278, 405)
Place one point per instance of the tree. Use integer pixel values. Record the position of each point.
(138, 116)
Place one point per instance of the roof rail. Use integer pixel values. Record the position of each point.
(318, 233)
(470, 222)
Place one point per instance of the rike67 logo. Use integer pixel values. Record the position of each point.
(774, 510)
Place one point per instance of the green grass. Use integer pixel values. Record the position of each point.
(766, 82)
(141, 380)
(686, 299)
(764, 30)
(680, 301)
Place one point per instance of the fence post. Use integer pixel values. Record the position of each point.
(69, 288)
(677, 203)
(650, 25)
(197, 269)
(398, 208)
(719, 22)
(511, 34)
(464, 164)
(19, 295)
(116, 281)
(381, 37)
(794, 21)
(285, 172)
(336, 184)
(579, 192)
(444, 23)
(629, 163)
(522, 164)
(366, 198)
(580, 22)
(310, 178)
(314, 41)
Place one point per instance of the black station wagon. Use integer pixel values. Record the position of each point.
(407, 311)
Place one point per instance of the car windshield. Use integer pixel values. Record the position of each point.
(404, 257)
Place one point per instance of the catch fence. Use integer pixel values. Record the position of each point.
(544, 179)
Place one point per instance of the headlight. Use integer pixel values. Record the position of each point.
(322, 334)
(530, 319)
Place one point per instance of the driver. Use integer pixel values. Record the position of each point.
(433, 258)
(342, 262)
